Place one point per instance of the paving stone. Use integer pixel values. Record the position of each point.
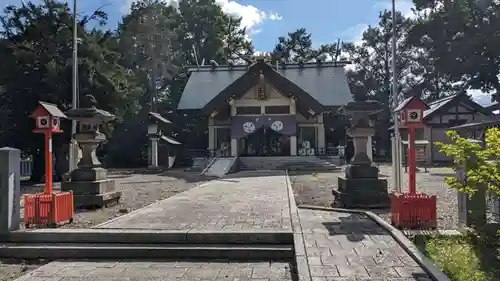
(382, 271)
(161, 271)
(324, 271)
(352, 270)
(407, 271)
(235, 204)
(366, 253)
(273, 273)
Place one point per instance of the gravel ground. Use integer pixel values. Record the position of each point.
(13, 269)
(315, 189)
(138, 190)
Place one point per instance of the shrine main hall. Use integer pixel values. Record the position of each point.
(269, 110)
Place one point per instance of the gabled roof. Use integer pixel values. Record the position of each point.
(158, 117)
(51, 109)
(405, 103)
(170, 140)
(478, 125)
(325, 83)
(446, 103)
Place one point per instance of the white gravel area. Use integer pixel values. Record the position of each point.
(316, 189)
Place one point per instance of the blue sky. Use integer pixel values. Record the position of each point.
(266, 20)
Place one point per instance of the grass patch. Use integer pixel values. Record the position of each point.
(463, 258)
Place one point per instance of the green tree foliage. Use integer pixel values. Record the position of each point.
(160, 42)
(36, 66)
(372, 75)
(482, 161)
(461, 39)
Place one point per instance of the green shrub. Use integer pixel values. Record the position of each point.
(458, 257)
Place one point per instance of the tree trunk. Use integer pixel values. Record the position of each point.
(38, 169)
(62, 161)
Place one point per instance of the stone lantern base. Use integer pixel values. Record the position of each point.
(92, 188)
(361, 188)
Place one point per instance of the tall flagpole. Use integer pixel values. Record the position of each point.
(73, 150)
(396, 166)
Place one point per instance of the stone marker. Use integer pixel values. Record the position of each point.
(471, 209)
(89, 182)
(10, 189)
(361, 187)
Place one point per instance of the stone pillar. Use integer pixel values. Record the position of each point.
(293, 146)
(234, 147)
(211, 135)
(369, 148)
(293, 109)
(10, 170)
(471, 210)
(321, 137)
(154, 152)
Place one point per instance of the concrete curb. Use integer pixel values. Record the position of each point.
(135, 212)
(303, 270)
(402, 240)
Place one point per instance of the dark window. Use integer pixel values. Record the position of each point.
(281, 109)
(248, 110)
(457, 122)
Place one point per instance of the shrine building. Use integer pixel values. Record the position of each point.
(268, 110)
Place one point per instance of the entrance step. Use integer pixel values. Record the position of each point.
(221, 166)
(129, 236)
(315, 163)
(149, 251)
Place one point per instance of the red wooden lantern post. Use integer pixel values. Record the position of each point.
(48, 208)
(412, 210)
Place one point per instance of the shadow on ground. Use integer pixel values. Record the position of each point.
(354, 227)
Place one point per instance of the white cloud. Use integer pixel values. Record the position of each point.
(275, 16)
(250, 15)
(354, 34)
(403, 6)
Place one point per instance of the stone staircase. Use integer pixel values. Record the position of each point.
(293, 163)
(200, 163)
(147, 244)
(221, 166)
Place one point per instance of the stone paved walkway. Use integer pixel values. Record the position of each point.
(242, 202)
(339, 246)
(159, 271)
(352, 247)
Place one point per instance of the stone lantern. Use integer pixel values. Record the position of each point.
(361, 187)
(155, 134)
(89, 182)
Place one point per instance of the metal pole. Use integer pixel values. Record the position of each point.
(73, 152)
(397, 165)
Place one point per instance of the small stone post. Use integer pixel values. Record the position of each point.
(471, 209)
(154, 152)
(10, 207)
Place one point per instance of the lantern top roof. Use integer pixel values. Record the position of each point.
(412, 102)
(45, 108)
